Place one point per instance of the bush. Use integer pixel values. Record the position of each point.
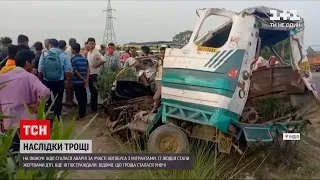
(9, 161)
(105, 82)
(273, 107)
(107, 77)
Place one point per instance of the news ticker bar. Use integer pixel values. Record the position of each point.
(99, 161)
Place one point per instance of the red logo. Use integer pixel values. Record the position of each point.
(34, 129)
(233, 73)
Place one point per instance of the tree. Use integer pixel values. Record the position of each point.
(310, 52)
(182, 38)
(5, 41)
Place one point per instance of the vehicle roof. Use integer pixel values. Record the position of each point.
(274, 36)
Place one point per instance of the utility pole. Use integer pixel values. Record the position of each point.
(109, 34)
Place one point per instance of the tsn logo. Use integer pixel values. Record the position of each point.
(35, 130)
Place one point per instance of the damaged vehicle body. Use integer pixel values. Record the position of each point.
(209, 90)
(128, 97)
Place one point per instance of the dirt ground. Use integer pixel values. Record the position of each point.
(309, 152)
(101, 143)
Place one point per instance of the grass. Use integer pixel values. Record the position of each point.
(261, 161)
(272, 107)
(258, 161)
(208, 164)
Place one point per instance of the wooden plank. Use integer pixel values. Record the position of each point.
(277, 81)
(277, 72)
(262, 83)
(277, 89)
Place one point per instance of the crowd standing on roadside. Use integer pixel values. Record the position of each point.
(94, 60)
(38, 48)
(55, 67)
(21, 86)
(125, 56)
(80, 80)
(69, 90)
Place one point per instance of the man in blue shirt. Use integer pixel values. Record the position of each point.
(80, 79)
(54, 67)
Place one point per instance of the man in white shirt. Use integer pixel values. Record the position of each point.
(69, 48)
(131, 60)
(148, 72)
(46, 45)
(94, 58)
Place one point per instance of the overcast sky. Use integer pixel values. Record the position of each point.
(137, 21)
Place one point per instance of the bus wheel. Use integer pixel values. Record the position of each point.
(168, 139)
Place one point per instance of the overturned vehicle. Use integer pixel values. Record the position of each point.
(210, 90)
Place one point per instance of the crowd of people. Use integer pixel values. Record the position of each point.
(28, 75)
